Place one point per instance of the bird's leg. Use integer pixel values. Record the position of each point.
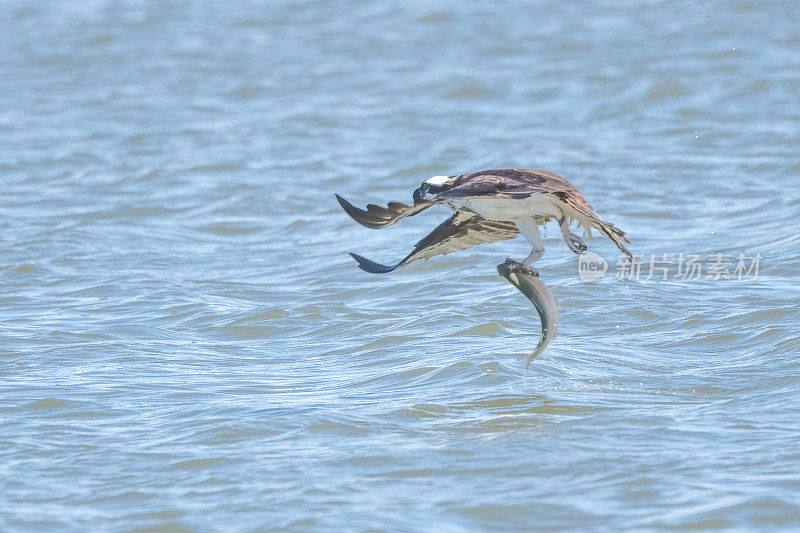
(574, 242)
(535, 255)
(530, 230)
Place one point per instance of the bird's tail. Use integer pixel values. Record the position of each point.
(616, 235)
(589, 219)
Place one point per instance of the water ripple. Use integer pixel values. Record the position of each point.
(186, 344)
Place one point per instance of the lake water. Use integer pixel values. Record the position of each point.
(186, 345)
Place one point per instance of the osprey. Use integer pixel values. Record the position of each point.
(490, 206)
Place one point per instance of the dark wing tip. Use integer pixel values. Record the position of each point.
(364, 217)
(371, 266)
(349, 208)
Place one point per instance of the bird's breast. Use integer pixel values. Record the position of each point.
(504, 209)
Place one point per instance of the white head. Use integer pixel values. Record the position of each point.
(438, 180)
(424, 190)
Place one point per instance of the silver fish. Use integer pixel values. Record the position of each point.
(527, 281)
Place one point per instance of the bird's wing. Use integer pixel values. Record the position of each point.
(504, 183)
(375, 216)
(462, 230)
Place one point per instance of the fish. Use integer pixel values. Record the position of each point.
(526, 279)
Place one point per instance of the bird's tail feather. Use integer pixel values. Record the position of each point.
(615, 235)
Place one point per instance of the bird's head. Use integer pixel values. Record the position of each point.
(430, 187)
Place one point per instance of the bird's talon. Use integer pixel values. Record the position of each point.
(516, 266)
(576, 244)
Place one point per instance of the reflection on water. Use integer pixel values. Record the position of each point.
(186, 343)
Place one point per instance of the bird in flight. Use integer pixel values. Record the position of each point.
(490, 206)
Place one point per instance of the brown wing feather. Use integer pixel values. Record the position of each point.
(375, 216)
(505, 183)
(460, 231)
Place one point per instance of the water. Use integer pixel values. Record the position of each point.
(187, 346)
